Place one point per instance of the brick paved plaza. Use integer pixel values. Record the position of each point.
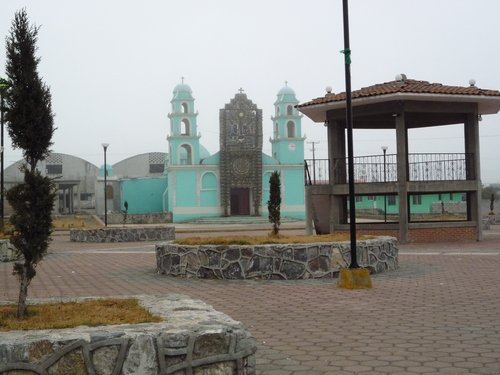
(438, 314)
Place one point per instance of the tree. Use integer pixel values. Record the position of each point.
(30, 125)
(274, 202)
(487, 191)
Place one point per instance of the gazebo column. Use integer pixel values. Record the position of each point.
(402, 165)
(71, 200)
(471, 137)
(337, 158)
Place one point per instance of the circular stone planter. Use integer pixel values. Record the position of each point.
(125, 234)
(194, 338)
(274, 261)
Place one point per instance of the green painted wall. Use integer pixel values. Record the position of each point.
(422, 206)
(293, 180)
(209, 194)
(185, 188)
(143, 194)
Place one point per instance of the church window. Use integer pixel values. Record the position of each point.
(185, 128)
(185, 155)
(276, 130)
(277, 111)
(290, 129)
(289, 110)
(184, 108)
(209, 181)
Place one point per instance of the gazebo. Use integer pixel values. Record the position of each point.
(401, 104)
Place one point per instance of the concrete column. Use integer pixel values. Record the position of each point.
(471, 137)
(337, 151)
(338, 171)
(402, 160)
(309, 213)
(71, 197)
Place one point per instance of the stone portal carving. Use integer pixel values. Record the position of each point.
(241, 156)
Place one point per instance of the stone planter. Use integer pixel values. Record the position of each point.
(287, 261)
(7, 252)
(193, 339)
(125, 234)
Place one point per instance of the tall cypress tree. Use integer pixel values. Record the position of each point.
(274, 202)
(31, 126)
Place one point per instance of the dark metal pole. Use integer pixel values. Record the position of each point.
(314, 163)
(105, 146)
(350, 147)
(4, 85)
(1, 161)
(385, 180)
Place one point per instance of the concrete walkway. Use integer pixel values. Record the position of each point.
(438, 314)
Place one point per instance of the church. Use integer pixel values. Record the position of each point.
(185, 182)
(235, 180)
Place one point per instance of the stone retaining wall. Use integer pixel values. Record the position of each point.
(287, 261)
(125, 234)
(193, 339)
(150, 218)
(492, 219)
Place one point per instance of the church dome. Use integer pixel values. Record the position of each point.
(182, 87)
(287, 90)
(286, 95)
(182, 92)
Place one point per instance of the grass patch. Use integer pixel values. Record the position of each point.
(265, 240)
(73, 314)
(64, 222)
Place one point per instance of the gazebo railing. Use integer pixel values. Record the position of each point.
(441, 167)
(317, 171)
(373, 168)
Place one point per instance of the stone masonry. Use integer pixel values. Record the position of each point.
(148, 218)
(125, 234)
(193, 339)
(7, 251)
(287, 261)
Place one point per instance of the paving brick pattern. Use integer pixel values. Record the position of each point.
(438, 314)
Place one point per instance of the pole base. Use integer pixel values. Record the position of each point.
(354, 278)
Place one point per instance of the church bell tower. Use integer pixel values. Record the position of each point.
(287, 141)
(184, 140)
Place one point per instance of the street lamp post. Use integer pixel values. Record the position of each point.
(4, 85)
(105, 147)
(350, 147)
(384, 149)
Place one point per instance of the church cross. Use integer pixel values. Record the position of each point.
(286, 83)
(182, 78)
(241, 90)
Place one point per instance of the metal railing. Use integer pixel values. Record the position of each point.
(377, 168)
(441, 167)
(317, 171)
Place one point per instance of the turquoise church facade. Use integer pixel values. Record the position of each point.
(196, 184)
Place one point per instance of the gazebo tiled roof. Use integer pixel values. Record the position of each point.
(410, 86)
(403, 89)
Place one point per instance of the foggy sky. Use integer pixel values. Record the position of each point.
(112, 65)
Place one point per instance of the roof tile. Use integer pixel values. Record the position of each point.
(404, 86)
